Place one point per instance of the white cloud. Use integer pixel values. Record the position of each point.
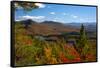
(55, 20)
(89, 18)
(74, 16)
(64, 13)
(40, 5)
(32, 17)
(52, 13)
(81, 19)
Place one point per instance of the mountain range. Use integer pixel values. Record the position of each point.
(51, 27)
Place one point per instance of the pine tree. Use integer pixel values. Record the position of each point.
(82, 43)
(83, 38)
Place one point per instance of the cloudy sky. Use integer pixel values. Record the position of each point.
(57, 12)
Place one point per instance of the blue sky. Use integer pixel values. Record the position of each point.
(58, 13)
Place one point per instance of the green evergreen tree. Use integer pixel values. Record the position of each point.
(82, 43)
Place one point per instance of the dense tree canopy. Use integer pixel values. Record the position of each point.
(26, 6)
